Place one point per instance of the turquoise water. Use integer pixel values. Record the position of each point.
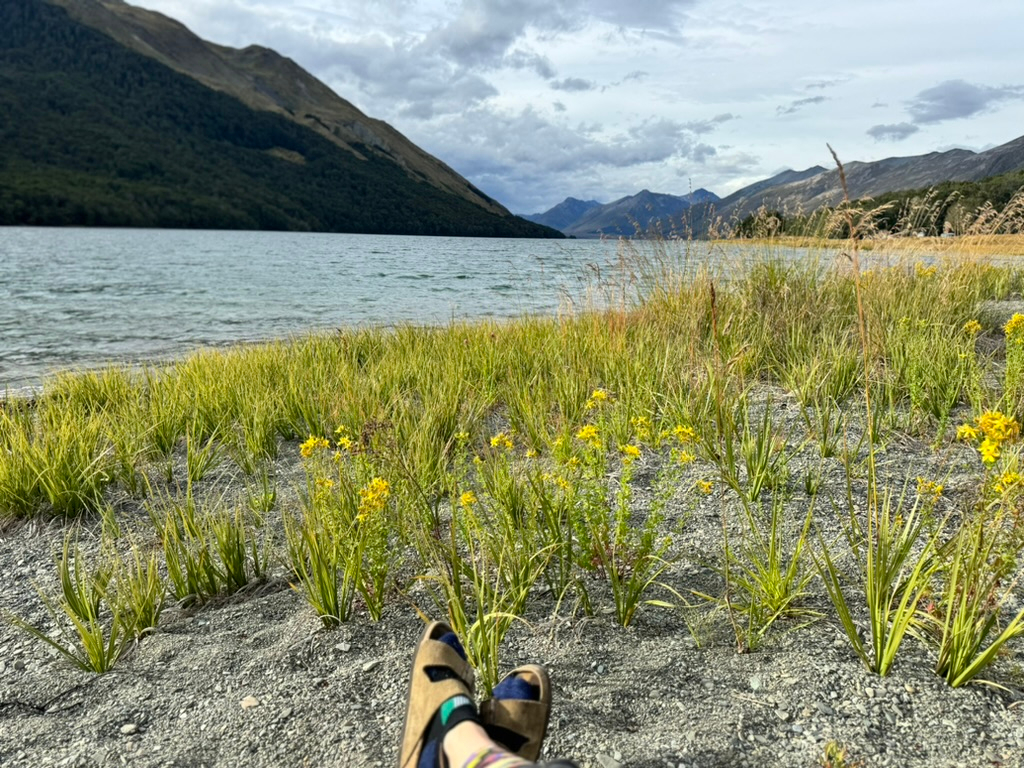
(76, 298)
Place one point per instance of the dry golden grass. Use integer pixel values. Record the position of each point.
(967, 245)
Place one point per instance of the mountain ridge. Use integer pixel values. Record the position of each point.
(793, 192)
(265, 80)
(106, 136)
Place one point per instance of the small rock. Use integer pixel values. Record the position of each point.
(19, 665)
(607, 761)
(755, 683)
(249, 702)
(128, 729)
(601, 669)
(344, 647)
(372, 665)
(869, 692)
(3, 667)
(783, 715)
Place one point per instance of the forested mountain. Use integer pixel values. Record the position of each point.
(94, 133)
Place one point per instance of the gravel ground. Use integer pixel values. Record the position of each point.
(255, 681)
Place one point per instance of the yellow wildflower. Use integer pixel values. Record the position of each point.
(929, 489)
(989, 450)
(573, 462)
(344, 443)
(630, 452)
(600, 396)
(1014, 326)
(924, 270)
(685, 457)
(502, 440)
(705, 486)
(477, 460)
(373, 497)
(643, 427)
(973, 327)
(997, 427)
(588, 434)
(562, 483)
(966, 432)
(312, 445)
(531, 453)
(1008, 480)
(462, 437)
(467, 499)
(684, 434)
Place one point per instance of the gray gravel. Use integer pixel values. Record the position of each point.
(255, 681)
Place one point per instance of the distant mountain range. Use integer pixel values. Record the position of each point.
(125, 118)
(790, 191)
(626, 217)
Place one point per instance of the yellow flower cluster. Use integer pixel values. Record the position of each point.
(997, 427)
(1008, 481)
(467, 499)
(598, 398)
(643, 427)
(502, 440)
(630, 453)
(684, 457)
(684, 434)
(589, 434)
(929, 489)
(312, 445)
(923, 270)
(973, 327)
(1014, 326)
(994, 428)
(705, 486)
(373, 497)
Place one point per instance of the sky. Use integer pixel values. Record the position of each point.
(534, 101)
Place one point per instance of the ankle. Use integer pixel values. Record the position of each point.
(467, 745)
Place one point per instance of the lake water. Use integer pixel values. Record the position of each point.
(81, 298)
(72, 298)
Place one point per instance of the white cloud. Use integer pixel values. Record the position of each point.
(534, 100)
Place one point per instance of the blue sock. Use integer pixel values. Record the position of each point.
(516, 688)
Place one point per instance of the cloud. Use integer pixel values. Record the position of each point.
(519, 59)
(894, 132)
(821, 85)
(573, 84)
(955, 99)
(558, 106)
(799, 104)
(707, 126)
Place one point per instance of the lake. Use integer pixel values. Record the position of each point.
(72, 298)
(83, 298)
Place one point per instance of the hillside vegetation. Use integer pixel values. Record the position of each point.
(104, 136)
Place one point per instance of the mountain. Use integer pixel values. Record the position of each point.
(625, 217)
(819, 187)
(563, 214)
(124, 118)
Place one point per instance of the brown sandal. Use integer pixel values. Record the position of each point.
(427, 693)
(519, 725)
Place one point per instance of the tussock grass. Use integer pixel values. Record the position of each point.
(475, 465)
